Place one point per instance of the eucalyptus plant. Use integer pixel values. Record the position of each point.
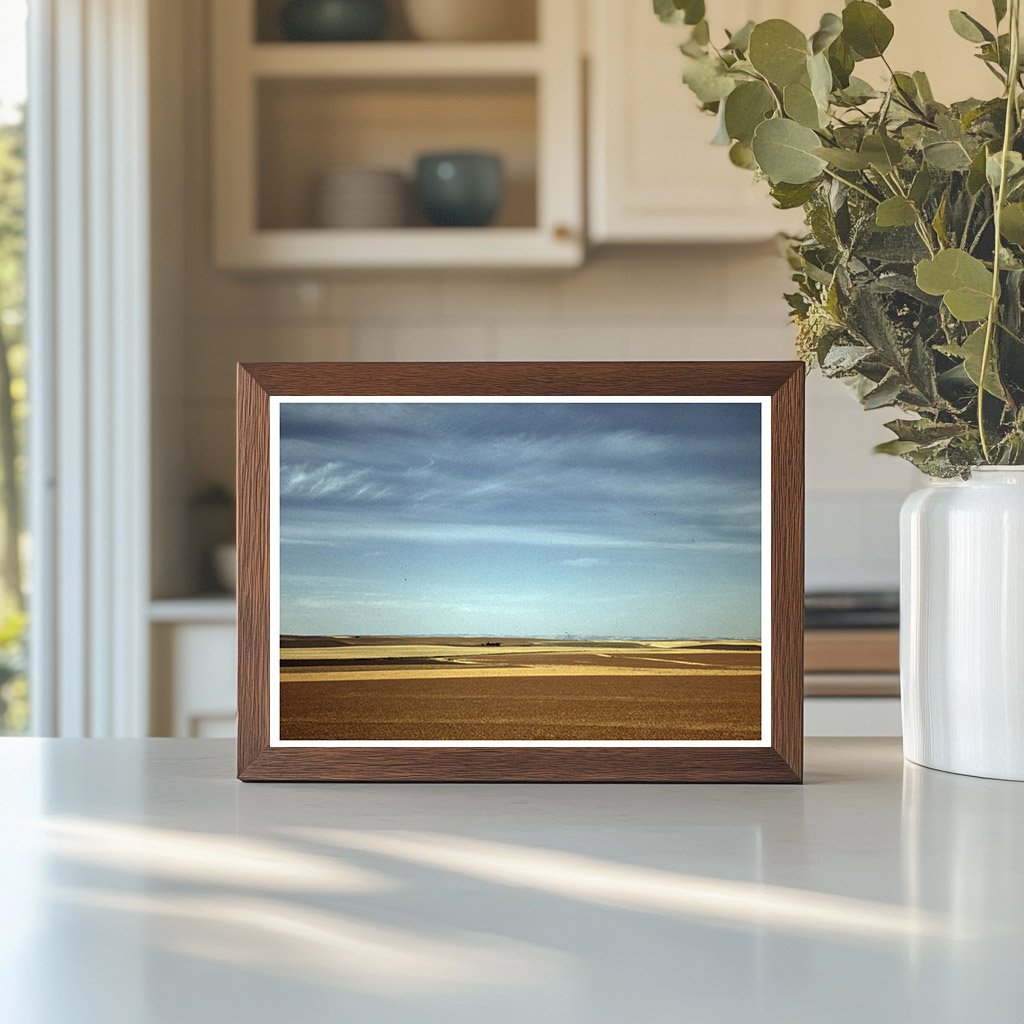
(910, 278)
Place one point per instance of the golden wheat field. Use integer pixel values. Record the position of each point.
(491, 688)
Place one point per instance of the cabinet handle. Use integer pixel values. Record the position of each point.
(563, 232)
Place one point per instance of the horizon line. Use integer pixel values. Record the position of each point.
(520, 636)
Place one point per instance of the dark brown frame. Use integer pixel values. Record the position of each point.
(782, 761)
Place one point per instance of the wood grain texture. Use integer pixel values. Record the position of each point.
(788, 569)
(782, 762)
(252, 487)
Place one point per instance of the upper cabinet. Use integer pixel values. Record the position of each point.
(653, 174)
(316, 143)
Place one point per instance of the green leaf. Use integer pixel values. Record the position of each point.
(741, 155)
(745, 108)
(844, 159)
(976, 174)
(971, 352)
(921, 185)
(785, 152)
(691, 48)
(676, 12)
(858, 91)
(708, 80)
(882, 153)
(778, 50)
(866, 29)
(939, 220)
(906, 91)
(923, 431)
(830, 29)
(1012, 225)
(999, 7)
(896, 212)
(969, 28)
(994, 169)
(924, 87)
(947, 156)
(697, 44)
(895, 447)
(789, 197)
(739, 41)
(820, 76)
(668, 11)
(694, 11)
(963, 281)
(997, 53)
(885, 394)
(841, 60)
(800, 105)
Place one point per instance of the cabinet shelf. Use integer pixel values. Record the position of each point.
(286, 113)
(393, 60)
(310, 248)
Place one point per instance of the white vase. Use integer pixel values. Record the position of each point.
(962, 624)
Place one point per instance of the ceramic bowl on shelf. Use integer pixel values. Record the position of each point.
(361, 198)
(469, 20)
(460, 189)
(332, 21)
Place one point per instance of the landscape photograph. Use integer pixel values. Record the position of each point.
(520, 571)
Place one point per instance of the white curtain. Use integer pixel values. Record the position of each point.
(89, 327)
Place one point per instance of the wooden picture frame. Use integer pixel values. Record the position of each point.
(775, 756)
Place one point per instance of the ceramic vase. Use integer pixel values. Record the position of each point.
(469, 20)
(962, 624)
(460, 189)
(334, 20)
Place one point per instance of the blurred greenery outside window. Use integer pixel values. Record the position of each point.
(14, 548)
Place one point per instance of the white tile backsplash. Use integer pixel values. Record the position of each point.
(413, 297)
(645, 285)
(507, 297)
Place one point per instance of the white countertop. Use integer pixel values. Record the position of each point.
(143, 885)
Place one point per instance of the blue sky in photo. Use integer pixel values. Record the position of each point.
(521, 519)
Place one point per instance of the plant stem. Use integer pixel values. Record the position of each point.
(771, 89)
(981, 231)
(923, 228)
(908, 101)
(993, 309)
(856, 188)
(969, 217)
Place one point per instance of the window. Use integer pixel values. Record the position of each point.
(14, 548)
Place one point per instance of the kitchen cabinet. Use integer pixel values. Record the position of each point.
(192, 650)
(653, 175)
(286, 113)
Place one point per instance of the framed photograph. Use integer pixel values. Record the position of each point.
(520, 572)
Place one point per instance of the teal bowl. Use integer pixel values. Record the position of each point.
(460, 190)
(334, 21)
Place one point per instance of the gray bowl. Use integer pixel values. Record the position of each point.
(334, 20)
(461, 190)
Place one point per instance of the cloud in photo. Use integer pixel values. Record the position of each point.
(529, 519)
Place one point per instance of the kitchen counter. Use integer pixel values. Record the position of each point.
(142, 884)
